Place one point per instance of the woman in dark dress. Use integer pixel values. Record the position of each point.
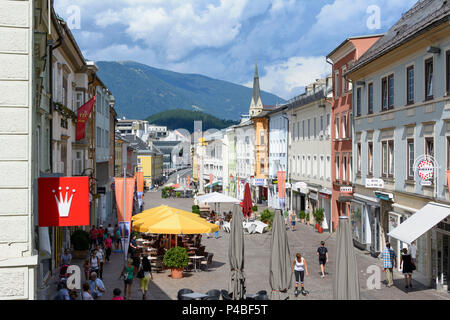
(407, 265)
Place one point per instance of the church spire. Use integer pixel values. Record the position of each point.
(256, 91)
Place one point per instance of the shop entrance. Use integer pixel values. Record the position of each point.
(443, 252)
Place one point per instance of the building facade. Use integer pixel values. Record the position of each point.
(341, 122)
(402, 115)
(310, 150)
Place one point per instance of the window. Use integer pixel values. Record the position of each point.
(429, 79)
(337, 125)
(391, 91)
(350, 128)
(344, 167)
(387, 152)
(337, 167)
(344, 84)
(384, 93)
(358, 101)
(262, 140)
(321, 126)
(328, 125)
(308, 166)
(298, 130)
(370, 158)
(322, 167)
(315, 128)
(429, 146)
(304, 165)
(315, 166)
(350, 166)
(336, 84)
(370, 98)
(344, 126)
(447, 59)
(328, 168)
(309, 128)
(410, 158)
(303, 128)
(410, 85)
(358, 159)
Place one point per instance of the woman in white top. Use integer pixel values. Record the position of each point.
(94, 262)
(299, 267)
(86, 294)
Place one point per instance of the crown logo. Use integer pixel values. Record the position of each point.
(64, 204)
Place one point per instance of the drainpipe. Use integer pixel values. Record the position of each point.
(51, 47)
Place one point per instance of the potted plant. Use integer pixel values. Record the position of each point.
(176, 259)
(255, 208)
(80, 243)
(319, 216)
(178, 194)
(302, 216)
(196, 209)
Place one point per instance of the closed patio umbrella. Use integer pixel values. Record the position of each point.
(236, 256)
(346, 281)
(280, 267)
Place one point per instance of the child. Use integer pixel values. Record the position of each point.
(116, 293)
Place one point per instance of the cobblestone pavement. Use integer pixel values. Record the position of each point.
(257, 252)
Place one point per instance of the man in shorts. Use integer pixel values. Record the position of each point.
(322, 252)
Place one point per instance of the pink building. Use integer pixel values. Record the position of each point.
(341, 122)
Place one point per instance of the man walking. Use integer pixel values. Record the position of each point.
(413, 251)
(389, 262)
(322, 252)
(94, 235)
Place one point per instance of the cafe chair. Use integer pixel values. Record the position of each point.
(225, 295)
(183, 291)
(262, 297)
(262, 292)
(213, 295)
(208, 261)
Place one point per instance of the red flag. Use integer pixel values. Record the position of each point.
(83, 115)
(63, 201)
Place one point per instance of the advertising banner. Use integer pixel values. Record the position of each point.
(120, 189)
(63, 201)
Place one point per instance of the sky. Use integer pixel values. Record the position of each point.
(222, 39)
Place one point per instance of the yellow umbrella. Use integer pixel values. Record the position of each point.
(179, 224)
(152, 216)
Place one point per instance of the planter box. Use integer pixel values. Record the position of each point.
(177, 273)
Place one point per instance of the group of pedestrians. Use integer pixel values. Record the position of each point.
(300, 268)
(407, 263)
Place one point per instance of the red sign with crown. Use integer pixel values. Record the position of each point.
(63, 201)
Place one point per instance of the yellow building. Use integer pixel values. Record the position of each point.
(151, 163)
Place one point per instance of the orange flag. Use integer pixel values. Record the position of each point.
(119, 187)
(188, 180)
(140, 182)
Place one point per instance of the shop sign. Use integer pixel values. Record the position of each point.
(313, 195)
(425, 168)
(63, 201)
(375, 183)
(346, 189)
(324, 196)
(301, 185)
(288, 185)
(259, 182)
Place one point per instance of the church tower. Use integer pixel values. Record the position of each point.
(256, 106)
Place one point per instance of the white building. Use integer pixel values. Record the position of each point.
(245, 155)
(310, 150)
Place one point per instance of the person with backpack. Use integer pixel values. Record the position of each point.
(322, 252)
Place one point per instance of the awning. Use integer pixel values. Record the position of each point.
(420, 222)
(366, 198)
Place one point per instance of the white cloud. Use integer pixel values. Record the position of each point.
(286, 78)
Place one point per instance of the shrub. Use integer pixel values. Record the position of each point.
(178, 194)
(267, 216)
(302, 214)
(176, 258)
(255, 208)
(80, 240)
(318, 215)
(307, 217)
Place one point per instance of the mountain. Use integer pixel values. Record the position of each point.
(141, 91)
(180, 118)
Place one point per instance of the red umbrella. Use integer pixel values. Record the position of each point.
(247, 204)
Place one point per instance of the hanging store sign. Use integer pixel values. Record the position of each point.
(63, 201)
(346, 190)
(259, 182)
(425, 169)
(375, 183)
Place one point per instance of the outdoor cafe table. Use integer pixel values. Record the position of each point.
(195, 258)
(195, 295)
